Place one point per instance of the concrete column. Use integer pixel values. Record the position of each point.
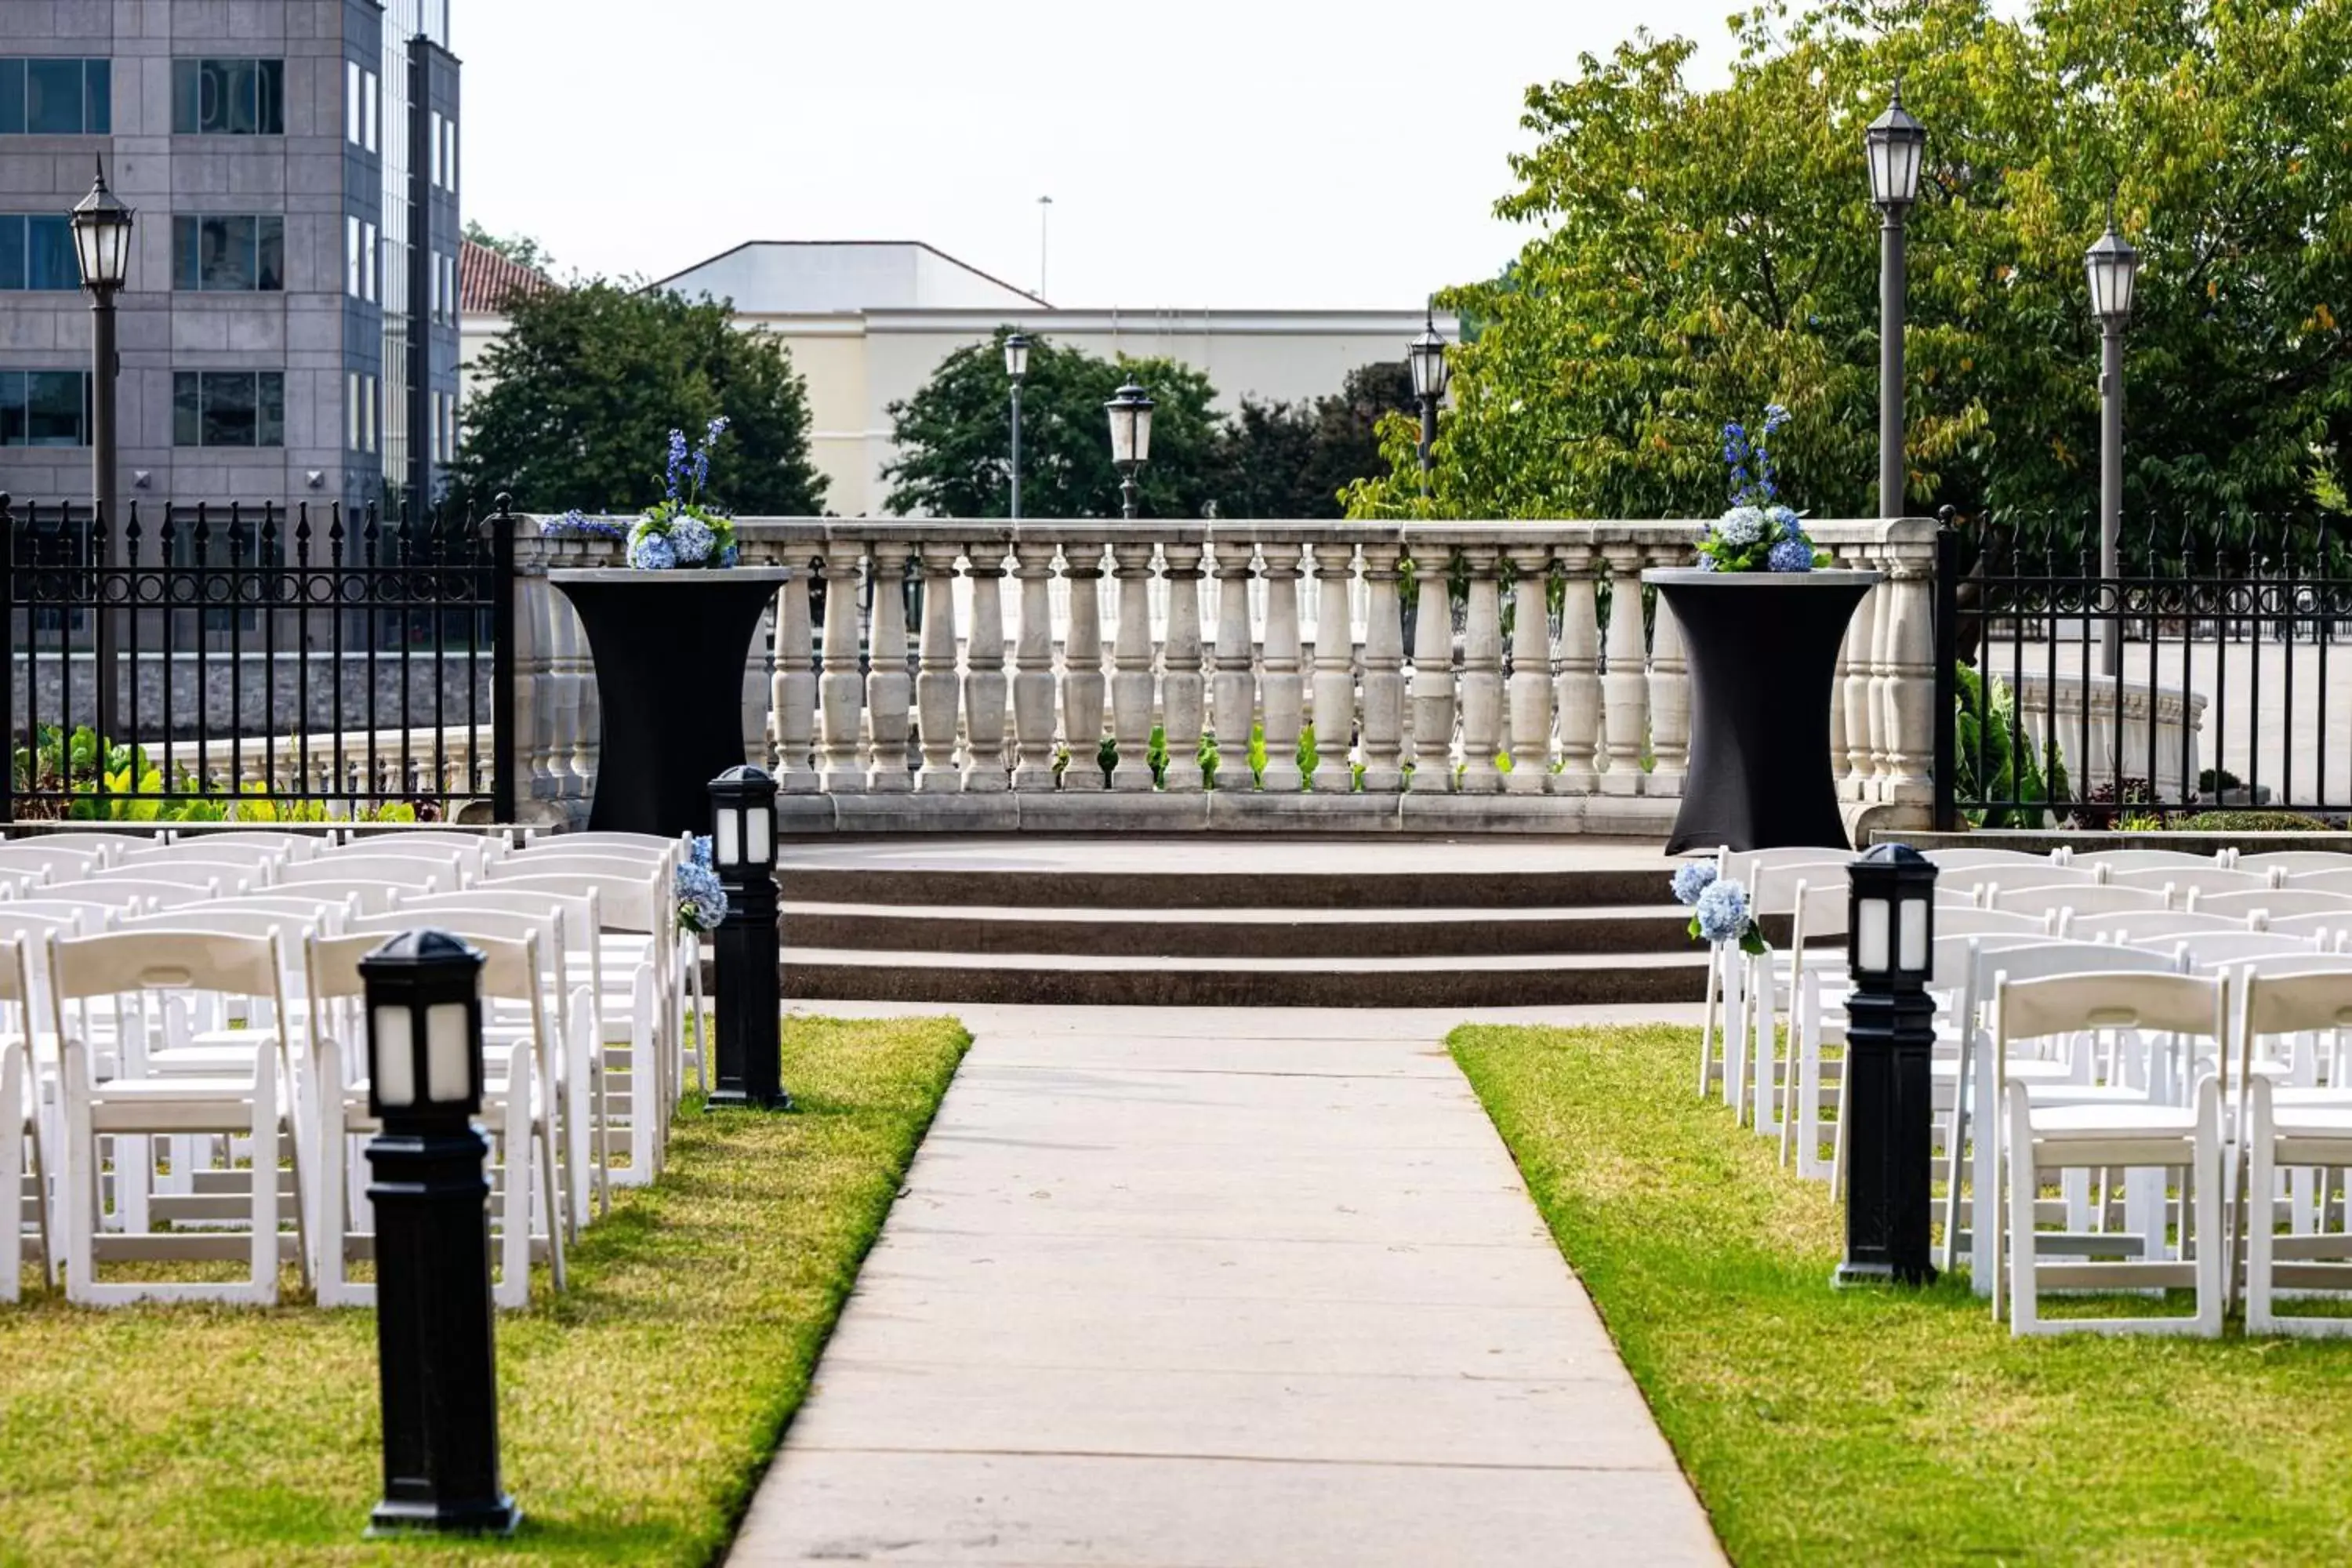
(1131, 684)
(1082, 669)
(1033, 669)
(1432, 672)
(889, 694)
(1234, 691)
(1334, 670)
(983, 681)
(1578, 686)
(1625, 686)
(792, 699)
(1670, 707)
(1482, 673)
(1180, 684)
(1909, 651)
(1282, 685)
(840, 691)
(1383, 723)
(937, 686)
(1874, 617)
(1531, 688)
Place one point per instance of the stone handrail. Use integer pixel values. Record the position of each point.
(987, 710)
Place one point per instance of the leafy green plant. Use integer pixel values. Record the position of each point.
(2250, 821)
(129, 787)
(1991, 761)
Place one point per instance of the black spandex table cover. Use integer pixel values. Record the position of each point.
(669, 649)
(1763, 649)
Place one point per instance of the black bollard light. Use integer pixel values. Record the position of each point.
(1890, 1039)
(431, 1193)
(747, 989)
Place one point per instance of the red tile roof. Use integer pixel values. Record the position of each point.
(485, 280)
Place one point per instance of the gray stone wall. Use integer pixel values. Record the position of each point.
(249, 693)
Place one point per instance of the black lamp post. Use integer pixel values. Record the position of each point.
(1426, 357)
(1890, 1038)
(2114, 267)
(431, 1193)
(1016, 366)
(101, 232)
(1896, 143)
(747, 989)
(1130, 439)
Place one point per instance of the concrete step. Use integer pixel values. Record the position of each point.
(1097, 980)
(1238, 933)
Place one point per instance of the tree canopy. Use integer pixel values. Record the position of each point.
(590, 379)
(1703, 253)
(522, 249)
(1295, 459)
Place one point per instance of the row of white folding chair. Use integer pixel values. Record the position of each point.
(24, 1182)
(2283, 1126)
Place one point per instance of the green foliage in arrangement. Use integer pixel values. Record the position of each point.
(129, 787)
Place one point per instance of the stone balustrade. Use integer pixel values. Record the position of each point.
(1102, 675)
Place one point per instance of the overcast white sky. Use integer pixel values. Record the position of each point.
(1230, 154)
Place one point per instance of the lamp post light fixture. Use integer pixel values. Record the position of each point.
(1426, 356)
(1016, 367)
(1890, 1039)
(101, 233)
(1895, 143)
(1130, 439)
(2114, 266)
(431, 1189)
(747, 948)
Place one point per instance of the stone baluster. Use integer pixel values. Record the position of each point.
(983, 681)
(1625, 687)
(791, 688)
(1909, 651)
(889, 694)
(1180, 684)
(1130, 683)
(935, 688)
(1580, 672)
(841, 689)
(1234, 691)
(1432, 672)
(1880, 606)
(1530, 687)
(1082, 669)
(1383, 723)
(1335, 668)
(1860, 633)
(1841, 762)
(1282, 684)
(1482, 672)
(1670, 709)
(1033, 668)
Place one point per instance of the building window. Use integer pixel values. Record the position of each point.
(229, 409)
(56, 98)
(37, 252)
(359, 258)
(368, 421)
(370, 118)
(44, 408)
(228, 97)
(228, 254)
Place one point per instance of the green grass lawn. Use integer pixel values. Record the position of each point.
(636, 1411)
(1878, 1426)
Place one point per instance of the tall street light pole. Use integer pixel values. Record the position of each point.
(1016, 366)
(2112, 266)
(1895, 142)
(1130, 440)
(101, 231)
(1426, 358)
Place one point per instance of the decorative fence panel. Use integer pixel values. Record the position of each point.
(277, 663)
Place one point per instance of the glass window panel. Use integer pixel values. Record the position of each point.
(49, 260)
(272, 426)
(270, 241)
(188, 274)
(240, 84)
(450, 181)
(12, 408)
(12, 102)
(368, 429)
(55, 403)
(352, 256)
(12, 253)
(271, 84)
(228, 259)
(99, 97)
(370, 116)
(230, 415)
(188, 97)
(351, 411)
(368, 261)
(187, 402)
(53, 97)
(352, 97)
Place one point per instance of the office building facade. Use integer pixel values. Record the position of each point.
(290, 328)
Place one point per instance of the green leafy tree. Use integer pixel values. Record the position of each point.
(1705, 252)
(519, 249)
(955, 436)
(1295, 459)
(588, 384)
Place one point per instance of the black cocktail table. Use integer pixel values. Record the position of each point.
(1763, 649)
(669, 651)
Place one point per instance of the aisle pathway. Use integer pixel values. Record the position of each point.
(1193, 1289)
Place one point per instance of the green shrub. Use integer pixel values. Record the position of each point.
(2248, 822)
(1991, 765)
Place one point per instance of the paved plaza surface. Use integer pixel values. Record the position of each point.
(1195, 1287)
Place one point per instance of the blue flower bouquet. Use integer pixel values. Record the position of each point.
(702, 899)
(1720, 909)
(1759, 532)
(681, 530)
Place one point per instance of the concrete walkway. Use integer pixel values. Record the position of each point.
(1193, 1288)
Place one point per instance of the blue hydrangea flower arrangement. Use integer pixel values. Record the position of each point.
(1759, 532)
(682, 530)
(1719, 907)
(577, 525)
(701, 900)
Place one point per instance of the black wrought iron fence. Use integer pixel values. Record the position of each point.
(2213, 677)
(256, 663)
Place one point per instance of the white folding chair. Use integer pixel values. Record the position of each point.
(1774, 886)
(2070, 900)
(289, 847)
(1955, 863)
(20, 1133)
(50, 861)
(375, 879)
(2329, 926)
(2178, 882)
(2307, 1131)
(2147, 925)
(2147, 1134)
(247, 853)
(2272, 903)
(1726, 970)
(2120, 861)
(517, 1094)
(1992, 883)
(85, 970)
(2200, 953)
(465, 853)
(2296, 862)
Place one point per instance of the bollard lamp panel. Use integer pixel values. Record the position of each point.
(1893, 916)
(743, 823)
(1016, 356)
(1130, 425)
(425, 1035)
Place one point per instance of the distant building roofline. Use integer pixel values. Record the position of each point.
(836, 244)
